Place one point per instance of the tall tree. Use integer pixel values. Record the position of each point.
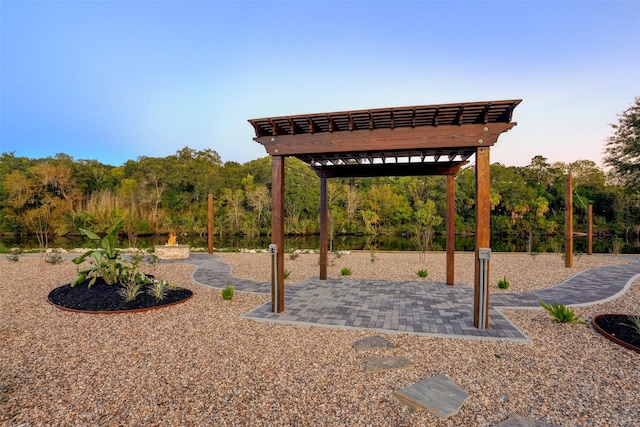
(622, 151)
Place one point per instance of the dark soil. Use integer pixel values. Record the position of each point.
(103, 297)
(620, 327)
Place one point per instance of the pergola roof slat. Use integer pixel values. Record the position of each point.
(424, 134)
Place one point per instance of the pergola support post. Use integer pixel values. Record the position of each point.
(277, 231)
(210, 223)
(568, 221)
(483, 211)
(324, 229)
(590, 230)
(451, 228)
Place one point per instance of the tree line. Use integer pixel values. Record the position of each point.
(56, 196)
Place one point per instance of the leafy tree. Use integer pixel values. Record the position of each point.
(622, 151)
(40, 198)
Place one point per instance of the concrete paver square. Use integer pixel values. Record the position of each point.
(375, 341)
(382, 364)
(438, 395)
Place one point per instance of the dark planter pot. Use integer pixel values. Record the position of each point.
(598, 323)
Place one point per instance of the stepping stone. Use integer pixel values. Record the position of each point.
(438, 395)
(518, 421)
(381, 364)
(375, 341)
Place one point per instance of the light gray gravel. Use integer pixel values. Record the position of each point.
(198, 363)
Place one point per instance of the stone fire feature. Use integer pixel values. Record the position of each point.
(172, 251)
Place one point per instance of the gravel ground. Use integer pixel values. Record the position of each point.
(198, 363)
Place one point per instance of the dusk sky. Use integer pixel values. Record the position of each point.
(114, 80)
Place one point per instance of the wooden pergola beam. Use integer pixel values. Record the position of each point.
(387, 169)
(397, 139)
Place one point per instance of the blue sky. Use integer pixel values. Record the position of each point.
(114, 80)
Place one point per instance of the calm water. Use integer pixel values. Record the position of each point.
(382, 243)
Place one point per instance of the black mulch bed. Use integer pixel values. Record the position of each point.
(103, 297)
(619, 326)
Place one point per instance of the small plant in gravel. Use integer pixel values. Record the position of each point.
(422, 273)
(15, 255)
(346, 271)
(287, 273)
(373, 257)
(228, 291)
(53, 258)
(504, 283)
(561, 313)
(294, 256)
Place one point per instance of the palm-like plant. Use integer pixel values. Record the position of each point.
(105, 260)
(561, 313)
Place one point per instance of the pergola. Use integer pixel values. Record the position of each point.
(405, 141)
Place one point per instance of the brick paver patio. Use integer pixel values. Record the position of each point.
(412, 307)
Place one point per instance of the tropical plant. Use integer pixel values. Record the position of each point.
(504, 283)
(422, 273)
(228, 291)
(561, 313)
(346, 271)
(635, 323)
(130, 291)
(105, 261)
(158, 289)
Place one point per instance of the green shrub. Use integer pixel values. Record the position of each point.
(504, 283)
(346, 271)
(422, 273)
(561, 313)
(616, 246)
(15, 255)
(53, 258)
(227, 292)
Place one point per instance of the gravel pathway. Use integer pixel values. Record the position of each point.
(200, 363)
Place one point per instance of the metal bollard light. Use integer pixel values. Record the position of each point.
(273, 250)
(484, 254)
